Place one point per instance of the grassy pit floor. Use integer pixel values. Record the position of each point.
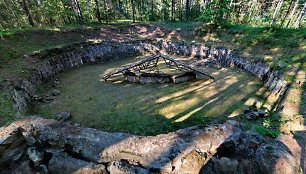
(148, 109)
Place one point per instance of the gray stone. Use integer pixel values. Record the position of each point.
(247, 109)
(21, 100)
(225, 165)
(42, 169)
(256, 104)
(12, 145)
(19, 167)
(255, 142)
(56, 82)
(55, 92)
(183, 77)
(275, 159)
(150, 152)
(35, 155)
(252, 115)
(68, 57)
(48, 99)
(123, 167)
(63, 116)
(62, 163)
(262, 112)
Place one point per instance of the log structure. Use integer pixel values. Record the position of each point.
(151, 63)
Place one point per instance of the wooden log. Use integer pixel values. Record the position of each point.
(144, 64)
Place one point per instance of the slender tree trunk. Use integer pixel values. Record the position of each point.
(300, 17)
(251, 10)
(287, 12)
(1, 21)
(182, 10)
(2, 26)
(127, 8)
(292, 12)
(63, 18)
(67, 9)
(187, 8)
(173, 10)
(106, 11)
(152, 6)
(26, 9)
(98, 11)
(133, 10)
(143, 9)
(277, 9)
(79, 11)
(14, 4)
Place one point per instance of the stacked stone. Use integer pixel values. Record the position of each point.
(59, 60)
(37, 145)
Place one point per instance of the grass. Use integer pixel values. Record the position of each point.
(148, 109)
(279, 48)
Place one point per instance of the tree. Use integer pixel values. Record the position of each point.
(300, 16)
(78, 11)
(133, 10)
(277, 9)
(98, 11)
(26, 9)
(292, 12)
(173, 10)
(187, 8)
(287, 12)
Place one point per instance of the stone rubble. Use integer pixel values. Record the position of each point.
(62, 148)
(59, 60)
(58, 147)
(63, 116)
(55, 92)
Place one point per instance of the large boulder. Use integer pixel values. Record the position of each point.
(62, 163)
(274, 158)
(45, 145)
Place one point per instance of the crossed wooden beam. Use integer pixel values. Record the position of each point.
(152, 62)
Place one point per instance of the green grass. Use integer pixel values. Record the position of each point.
(148, 109)
(279, 48)
(178, 25)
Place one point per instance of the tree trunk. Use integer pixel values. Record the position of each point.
(26, 9)
(182, 10)
(1, 22)
(152, 6)
(79, 11)
(127, 8)
(300, 17)
(98, 11)
(173, 10)
(277, 9)
(133, 10)
(106, 11)
(14, 4)
(187, 7)
(287, 12)
(292, 12)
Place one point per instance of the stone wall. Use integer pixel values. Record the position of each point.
(58, 60)
(37, 145)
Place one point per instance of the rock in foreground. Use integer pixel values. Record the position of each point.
(63, 148)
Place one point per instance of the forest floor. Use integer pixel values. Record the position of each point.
(279, 48)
